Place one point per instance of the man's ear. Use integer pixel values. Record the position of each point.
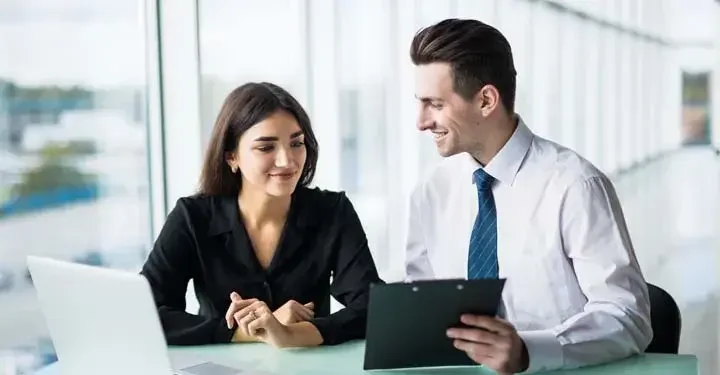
(488, 98)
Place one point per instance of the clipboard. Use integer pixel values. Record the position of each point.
(407, 322)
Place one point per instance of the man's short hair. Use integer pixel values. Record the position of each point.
(478, 54)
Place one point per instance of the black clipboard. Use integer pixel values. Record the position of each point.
(407, 322)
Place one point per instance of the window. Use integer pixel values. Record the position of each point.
(347, 62)
(624, 136)
(544, 120)
(591, 102)
(74, 178)
(428, 13)
(570, 125)
(247, 40)
(515, 21)
(486, 11)
(609, 97)
(363, 51)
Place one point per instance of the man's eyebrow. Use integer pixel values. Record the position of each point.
(428, 98)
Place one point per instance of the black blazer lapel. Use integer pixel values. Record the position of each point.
(301, 220)
(231, 233)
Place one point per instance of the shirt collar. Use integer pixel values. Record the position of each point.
(505, 165)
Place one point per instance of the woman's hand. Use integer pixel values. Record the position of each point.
(294, 312)
(236, 304)
(257, 321)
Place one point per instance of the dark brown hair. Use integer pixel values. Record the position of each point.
(478, 54)
(244, 107)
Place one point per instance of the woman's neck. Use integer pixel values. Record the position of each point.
(259, 208)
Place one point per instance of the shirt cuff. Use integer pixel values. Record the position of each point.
(544, 350)
(222, 334)
(326, 328)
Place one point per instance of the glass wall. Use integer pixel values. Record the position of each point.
(365, 95)
(73, 152)
(246, 40)
(578, 84)
(81, 111)
(715, 113)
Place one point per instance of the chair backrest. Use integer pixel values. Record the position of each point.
(666, 321)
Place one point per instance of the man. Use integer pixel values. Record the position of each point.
(506, 203)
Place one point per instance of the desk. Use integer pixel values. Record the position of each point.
(347, 359)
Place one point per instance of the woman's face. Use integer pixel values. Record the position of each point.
(271, 155)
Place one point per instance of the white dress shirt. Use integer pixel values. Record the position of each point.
(574, 289)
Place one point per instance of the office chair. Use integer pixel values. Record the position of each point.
(665, 320)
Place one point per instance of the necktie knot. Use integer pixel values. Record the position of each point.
(482, 179)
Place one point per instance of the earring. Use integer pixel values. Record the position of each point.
(234, 169)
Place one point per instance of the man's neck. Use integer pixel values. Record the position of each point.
(259, 208)
(493, 142)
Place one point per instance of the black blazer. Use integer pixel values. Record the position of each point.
(204, 240)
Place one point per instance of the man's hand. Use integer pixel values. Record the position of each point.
(492, 342)
(294, 312)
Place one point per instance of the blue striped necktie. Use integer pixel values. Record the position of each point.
(482, 257)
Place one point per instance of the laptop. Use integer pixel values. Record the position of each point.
(407, 322)
(104, 321)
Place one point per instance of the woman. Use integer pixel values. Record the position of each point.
(258, 243)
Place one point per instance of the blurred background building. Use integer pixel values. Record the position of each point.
(105, 107)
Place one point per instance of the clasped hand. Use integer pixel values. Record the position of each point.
(256, 322)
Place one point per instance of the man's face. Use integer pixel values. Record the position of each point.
(442, 111)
